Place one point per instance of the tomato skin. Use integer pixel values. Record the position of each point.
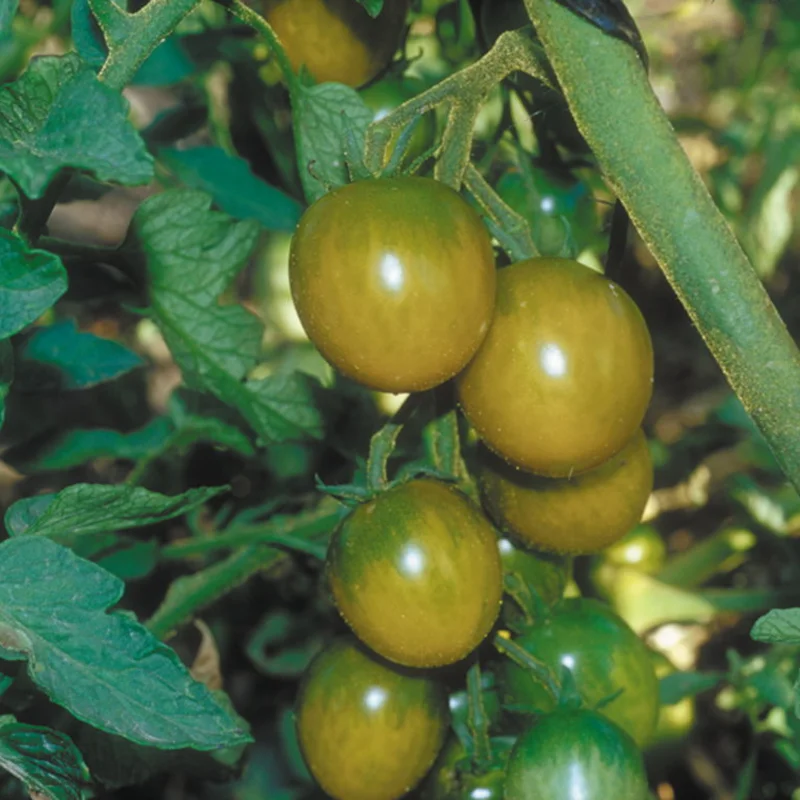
(575, 755)
(560, 210)
(337, 40)
(604, 654)
(394, 281)
(385, 96)
(545, 573)
(582, 514)
(416, 574)
(564, 376)
(368, 730)
(641, 549)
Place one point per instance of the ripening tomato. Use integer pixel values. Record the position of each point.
(394, 281)
(604, 655)
(368, 730)
(575, 755)
(453, 777)
(559, 208)
(563, 378)
(385, 96)
(416, 574)
(582, 514)
(336, 40)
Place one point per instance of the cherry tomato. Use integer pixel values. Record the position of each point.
(544, 573)
(563, 378)
(641, 549)
(416, 574)
(368, 730)
(385, 96)
(453, 777)
(336, 40)
(604, 655)
(394, 281)
(582, 514)
(560, 209)
(575, 755)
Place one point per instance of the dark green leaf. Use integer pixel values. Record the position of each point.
(84, 508)
(167, 65)
(192, 254)
(46, 761)
(30, 282)
(323, 116)
(132, 561)
(373, 7)
(83, 359)
(86, 35)
(779, 626)
(6, 375)
(772, 685)
(105, 668)
(234, 187)
(7, 11)
(673, 688)
(49, 120)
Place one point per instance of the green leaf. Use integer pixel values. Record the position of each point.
(83, 359)
(7, 11)
(86, 34)
(372, 7)
(46, 761)
(675, 687)
(49, 120)
(779, 626)
(325, 118)
(167, 65)
(192, 254)
(84, 508)
(132, 561)
(234, 187)
(105, 668)
(30, 282)
(6, 375)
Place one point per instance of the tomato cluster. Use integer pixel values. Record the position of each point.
(394, 280)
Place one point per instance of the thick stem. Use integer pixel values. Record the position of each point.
(619, 115)
(477, 720)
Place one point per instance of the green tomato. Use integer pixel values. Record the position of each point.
(368, 730)
(605, 657)
(642, 549)
(560, 210)
(394, 281)
(453, 777)
(575, 755)
(416, 574)
(385, 96)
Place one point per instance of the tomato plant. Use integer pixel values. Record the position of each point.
(394, 281)
(582, 514)
(416, 574)
(569, 755)
(607, 659)
(453, 777)
(366, 729)
(337, 40)
(383, 96)
(564, 376)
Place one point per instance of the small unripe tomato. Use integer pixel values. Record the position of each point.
(604, 656)
(582, 514)
(336, 40)
(385, 96)
(368, 730)
(564, 376)
(416, 574)
(575, 755)
(453, 777)
(394, 281)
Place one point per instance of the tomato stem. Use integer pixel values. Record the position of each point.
(524, 659)
(477, 720)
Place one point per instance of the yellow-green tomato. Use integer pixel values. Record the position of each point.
(416, 574)
(582, 514)
(368, 730)
(606, 659)
(336, 40)
(564, 376)
(394, 281)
